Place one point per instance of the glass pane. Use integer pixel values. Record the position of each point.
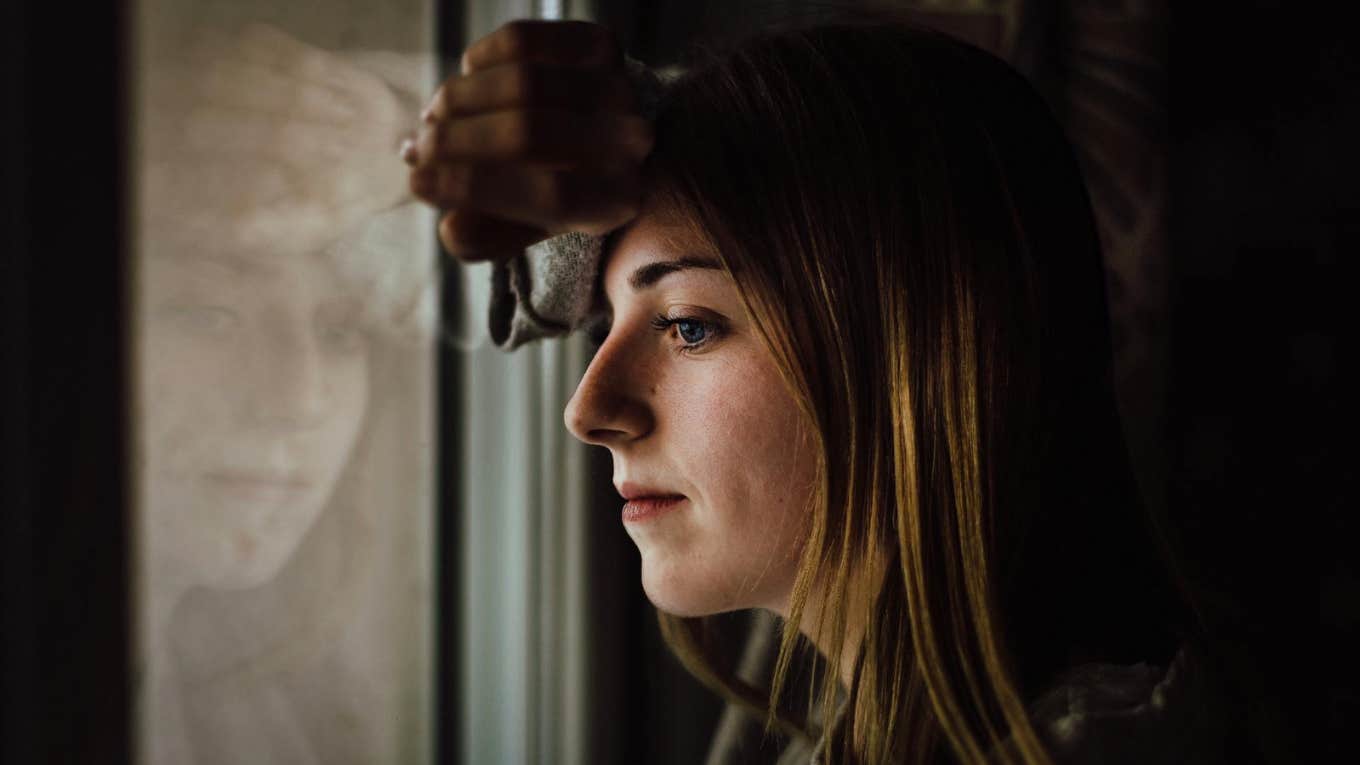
(286, 301)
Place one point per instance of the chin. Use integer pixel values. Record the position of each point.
(676, 590)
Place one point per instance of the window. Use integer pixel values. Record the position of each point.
(284, 313)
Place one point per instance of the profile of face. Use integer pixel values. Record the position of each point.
(708, 446)
(254, 389)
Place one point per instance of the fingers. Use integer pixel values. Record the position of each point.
(538, 136)
(520, 85)
(541, 135)
(590, 201)
(471, 236)
(568, 43)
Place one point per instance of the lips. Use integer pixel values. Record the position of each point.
(645, 502)
(630, 491)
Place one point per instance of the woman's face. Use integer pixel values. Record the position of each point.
(254, 388)
(707, 443)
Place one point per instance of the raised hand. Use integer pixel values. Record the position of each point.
(538, 135)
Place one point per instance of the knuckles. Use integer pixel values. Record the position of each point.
(516, 115)
(555, 197)
(513, 37)
(607, 45)
(525, 85)
(593, 43)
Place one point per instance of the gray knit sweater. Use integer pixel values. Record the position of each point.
(1093, 714)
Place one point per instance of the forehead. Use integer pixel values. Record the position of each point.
(656, 234)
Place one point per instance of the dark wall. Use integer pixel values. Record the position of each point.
(1265, 114)
(64, 671)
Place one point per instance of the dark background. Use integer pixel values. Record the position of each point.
(1231, 343)
(64, 676)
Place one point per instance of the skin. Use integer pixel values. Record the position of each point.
(697, 409)
(537, 135)
(714, 423)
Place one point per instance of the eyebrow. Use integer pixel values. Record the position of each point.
(650, 274)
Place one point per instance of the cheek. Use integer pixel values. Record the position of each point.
(752, 440)
(754, 468)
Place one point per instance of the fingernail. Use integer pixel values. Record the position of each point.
(408, 152)
(427, 116)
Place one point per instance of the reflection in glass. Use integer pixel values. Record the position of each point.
(285, 301)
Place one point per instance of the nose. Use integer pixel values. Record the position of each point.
(288, 385)
(608, 407)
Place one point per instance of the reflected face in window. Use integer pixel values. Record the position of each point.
(254, 385)
(707, 444)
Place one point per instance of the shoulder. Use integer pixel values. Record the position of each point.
(1135, 713)
(1111, 714)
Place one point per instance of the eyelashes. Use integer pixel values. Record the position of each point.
(691, 334)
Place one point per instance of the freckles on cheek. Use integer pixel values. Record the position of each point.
(752, 437)
(712, 418)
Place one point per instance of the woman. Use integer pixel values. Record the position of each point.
(855, 372)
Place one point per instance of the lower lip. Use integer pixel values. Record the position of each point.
(647, 508)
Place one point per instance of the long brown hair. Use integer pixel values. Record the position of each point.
(910, 233)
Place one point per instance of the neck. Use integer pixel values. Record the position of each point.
(856, 603)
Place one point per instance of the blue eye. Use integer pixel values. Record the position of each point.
(692, 333)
